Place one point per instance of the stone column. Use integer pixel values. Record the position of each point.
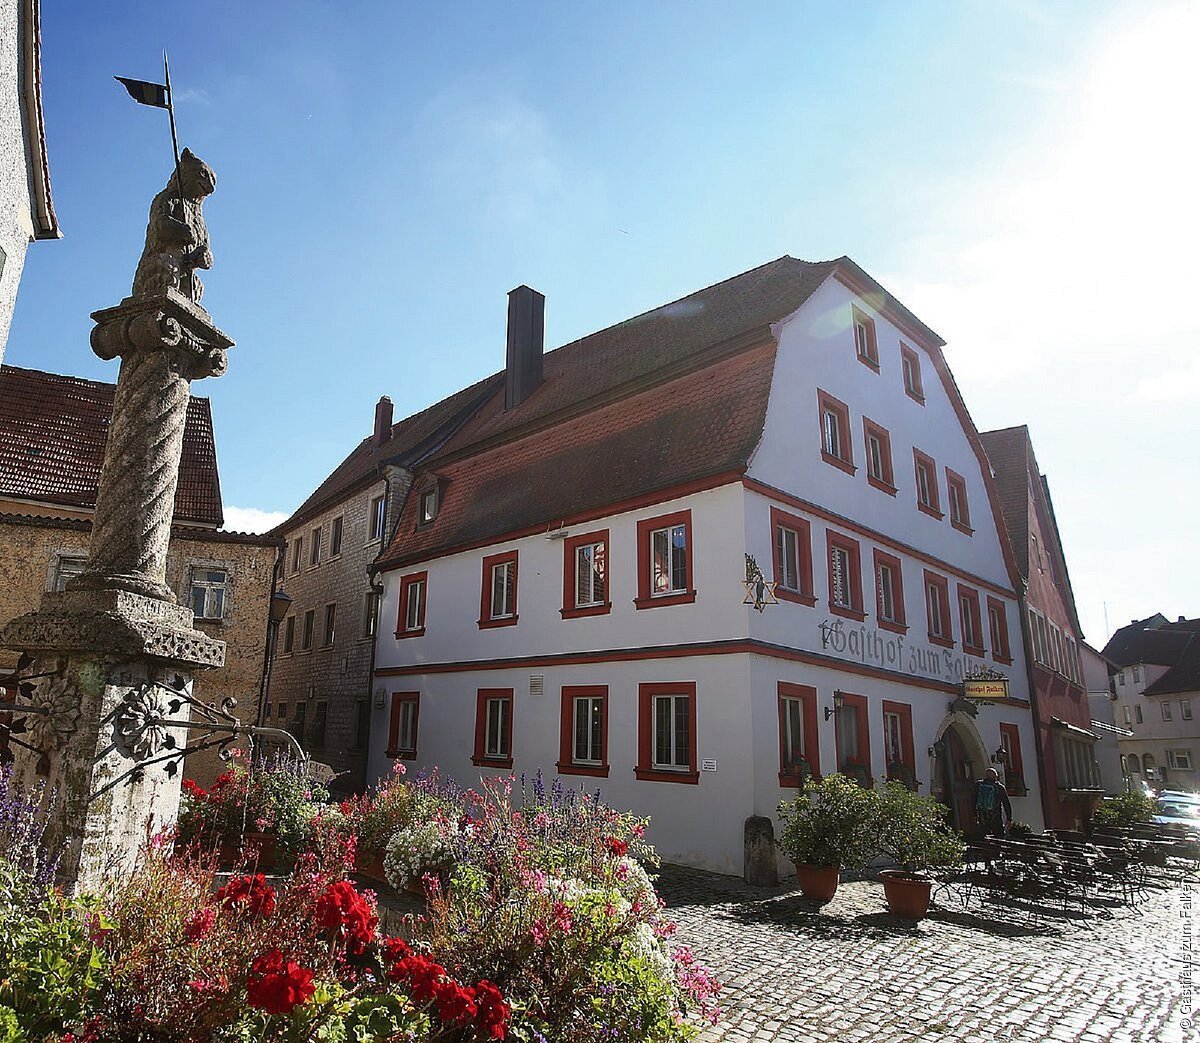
(111, 659)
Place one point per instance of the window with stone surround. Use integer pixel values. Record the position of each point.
(493, 728)
(66, 568)
(330, 624)
(335, 536)
(377, 518)
(878, 444)
(402, 725)
(910, 364)
(289, 635)
(307, 633)
(928, 499)
(498, 593)
(956, 498)
(865, 345)
(836, 447)
(314, 548)
(208, 592)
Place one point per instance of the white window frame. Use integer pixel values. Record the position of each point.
(665, 568)
(925, 482)
(337, 534)
(314, 550)
(839, 567)
(792, 706)
(885, 585)
(66, 568)
(414, 605)
(377, 513)
(507, 591)
(406, 727)
(497, 714)
(370, 614)
(875, 457)
(831, 428)
(970, 639)
(933, 597)
(586, 577)
(308, 630)
(1165, 709)
(329, 628)
(787, 543)
(893, 735)
(213, 589)
(673, 738)
(954, 501)
(297, 555)
(1185, 709)
(428, 506)
(1180, 760)
(592, 706)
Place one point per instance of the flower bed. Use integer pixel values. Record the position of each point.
(543, 925)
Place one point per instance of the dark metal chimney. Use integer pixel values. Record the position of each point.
(383, 420)
(526, 333)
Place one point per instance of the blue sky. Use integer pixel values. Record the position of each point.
(387, 172)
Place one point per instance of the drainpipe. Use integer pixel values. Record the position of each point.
(1033, 706)
(264, 686)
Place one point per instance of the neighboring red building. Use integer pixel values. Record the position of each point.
(1066, 741)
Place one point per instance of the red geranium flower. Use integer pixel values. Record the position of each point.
(278, 985)
(251, 893)
(492, 1017)
(199, 923)
(342, 909)
(455, 1003)
(616, 847)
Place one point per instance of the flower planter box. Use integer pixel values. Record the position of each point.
(256, 849)
(370, 864)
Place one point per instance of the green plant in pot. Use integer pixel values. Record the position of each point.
(911, 830)
(824, 829)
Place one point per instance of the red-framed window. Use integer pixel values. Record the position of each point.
(667, 732)
(799, 741)
(910, 367)
(925, 472)
(1014, 768)
(877, 448)
(791, 557)
(836, 446)
(852, 737)
(956, 502)
(865, 345)
(665, 555)
(969, 624)
(410, 621)
(898, 755)
(937, 609)
(498, 593)
(845, 576)
(585, 575)
(998, 630)
(889, 592)
(583, 739)
(402, 725)
(493, 728)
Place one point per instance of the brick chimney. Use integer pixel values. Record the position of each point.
(526, 333)
(383, 421)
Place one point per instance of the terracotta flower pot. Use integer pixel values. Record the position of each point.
(817, 882)
(370, 864)
(907, 896)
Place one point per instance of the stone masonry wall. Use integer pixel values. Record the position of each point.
(29, 553)
(332, 682)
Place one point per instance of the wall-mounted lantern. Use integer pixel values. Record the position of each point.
(839, 700)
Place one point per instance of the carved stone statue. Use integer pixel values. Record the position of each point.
(176, 236)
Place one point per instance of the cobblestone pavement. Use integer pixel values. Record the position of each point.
(852, 972)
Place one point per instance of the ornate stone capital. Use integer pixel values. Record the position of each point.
(164, 322)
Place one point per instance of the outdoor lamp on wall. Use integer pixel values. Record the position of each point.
(1000, 756)
(839, 700)
(280, 603)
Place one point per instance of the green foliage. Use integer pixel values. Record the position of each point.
(1128, 809)
(1020, 829)
(49, 966)
(828, 823)
(911, 829)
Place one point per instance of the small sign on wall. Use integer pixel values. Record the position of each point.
(708, 765)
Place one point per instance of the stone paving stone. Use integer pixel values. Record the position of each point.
(850, 972)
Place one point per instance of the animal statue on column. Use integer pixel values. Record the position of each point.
(176, 235)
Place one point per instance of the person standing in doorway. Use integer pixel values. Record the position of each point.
(993, 812)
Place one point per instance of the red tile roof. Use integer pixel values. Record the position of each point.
(1008, 450)
(701, 424)
(669, 397)
(53, 430)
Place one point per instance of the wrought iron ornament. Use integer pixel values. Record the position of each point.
(760, 592)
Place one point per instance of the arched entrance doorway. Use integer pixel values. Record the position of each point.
(959, 760)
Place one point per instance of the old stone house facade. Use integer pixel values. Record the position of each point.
(52, 433)
(1066, 740)
(320, 681)
(1157, 686)
(26, 207)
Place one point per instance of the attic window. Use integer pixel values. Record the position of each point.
(429, 506)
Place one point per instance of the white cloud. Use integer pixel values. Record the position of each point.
(251, 519)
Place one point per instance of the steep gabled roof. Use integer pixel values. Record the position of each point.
(53, 430)
(410, 439)
(1008, 452)
(1151, 640)
(1184, 676)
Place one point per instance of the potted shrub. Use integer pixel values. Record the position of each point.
(824, 830)
(911, 830)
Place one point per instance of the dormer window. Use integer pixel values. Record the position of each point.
(429, 506)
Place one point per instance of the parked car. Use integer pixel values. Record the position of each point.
(1173, 808)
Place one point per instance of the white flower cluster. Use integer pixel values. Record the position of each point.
(645, 943)
(635, 883)
(414, 850)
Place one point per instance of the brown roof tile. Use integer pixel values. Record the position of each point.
(1008, 451)
(53, 430)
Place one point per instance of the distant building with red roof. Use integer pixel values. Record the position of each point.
(53, 430)
(562, 565)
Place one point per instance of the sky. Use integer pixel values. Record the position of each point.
(1021, 174)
